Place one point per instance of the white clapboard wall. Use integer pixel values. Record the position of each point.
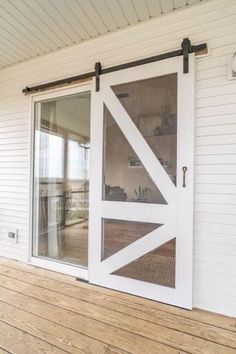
(213, 22)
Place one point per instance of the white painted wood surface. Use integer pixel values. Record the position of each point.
(176, 216)
(213, 22)
(30, 28)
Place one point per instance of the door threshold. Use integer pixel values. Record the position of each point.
(82, 280)
(74, 271)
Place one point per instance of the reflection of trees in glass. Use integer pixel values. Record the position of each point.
(68, 202)
(60, 211)
(77, 178)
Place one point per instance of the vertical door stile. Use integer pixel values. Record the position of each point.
(96, 168)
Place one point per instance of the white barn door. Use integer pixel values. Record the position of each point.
(142, 150)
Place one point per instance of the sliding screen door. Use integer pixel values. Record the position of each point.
(141, 207)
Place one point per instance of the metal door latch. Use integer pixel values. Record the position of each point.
(184, 169)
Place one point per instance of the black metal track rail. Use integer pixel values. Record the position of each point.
(186, 48)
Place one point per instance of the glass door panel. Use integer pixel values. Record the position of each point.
(61, 179)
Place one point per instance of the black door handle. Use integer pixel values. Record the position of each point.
(184, 169)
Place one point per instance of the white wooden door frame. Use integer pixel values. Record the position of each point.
(177, 216)
(57, 266)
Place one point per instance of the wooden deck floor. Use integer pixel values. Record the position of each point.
(46, 312)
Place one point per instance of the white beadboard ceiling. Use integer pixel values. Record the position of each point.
(31, 28)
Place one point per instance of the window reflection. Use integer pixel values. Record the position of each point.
(50, 155)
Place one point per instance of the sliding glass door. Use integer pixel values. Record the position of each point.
(61, 179)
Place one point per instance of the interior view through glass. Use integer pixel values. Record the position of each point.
(61, 179)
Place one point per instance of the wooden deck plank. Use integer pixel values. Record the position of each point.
(151, 331)
(113, 350)
(198, 315)
(16, 341)
(118, 338)
(72, 317)
(2, 351)
(53, 333)
(185, 325)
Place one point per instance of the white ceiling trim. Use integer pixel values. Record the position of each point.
(31, 28)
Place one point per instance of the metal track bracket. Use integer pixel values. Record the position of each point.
(98, 71)
(187, 48)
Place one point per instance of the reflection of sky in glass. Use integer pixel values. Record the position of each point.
(49, 155)
(78, 160)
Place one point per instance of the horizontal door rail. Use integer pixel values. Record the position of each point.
(186, 48)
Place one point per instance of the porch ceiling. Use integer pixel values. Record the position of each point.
(31, 28)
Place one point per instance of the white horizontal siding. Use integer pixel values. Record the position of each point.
(215, 143)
